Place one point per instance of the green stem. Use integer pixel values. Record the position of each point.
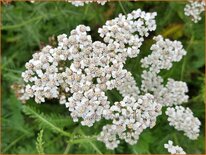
(184, 59)
(67, 148)
(91, 143)
(13, 143)
(120, 3)
(175, 139)
(172, 30)
(86, 10)
(79, 140)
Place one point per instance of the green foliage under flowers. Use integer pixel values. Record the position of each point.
(29, 26)
(40, 142)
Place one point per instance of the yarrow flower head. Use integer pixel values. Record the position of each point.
(194, 9)
(164, 52)
(173, 149)
(79, 71)
(183, 120)
(130, 117)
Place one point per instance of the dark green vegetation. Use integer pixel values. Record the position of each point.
(29, 26)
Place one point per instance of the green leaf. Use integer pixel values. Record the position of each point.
(43, 120)
(40, 142)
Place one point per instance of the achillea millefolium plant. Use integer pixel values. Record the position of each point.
(113, 82)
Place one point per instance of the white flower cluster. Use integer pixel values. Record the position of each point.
(183, 120)
(41, 75)
(79, 71)
(164, 52)
(82, 2)
(130, 117)
(174, 149)
(194, 9)
(174, 93)
(95, 67)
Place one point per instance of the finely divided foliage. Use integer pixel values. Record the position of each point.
(79, 71)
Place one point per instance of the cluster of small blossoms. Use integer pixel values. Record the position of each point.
(183, 120)
(173, 93)
(129, 118)
(98, 67)
(120, 36)
(109, 136)
(79, 71)
(173, 149)
(41, 76)
(81, 3)
(194, 9)
(164, 52)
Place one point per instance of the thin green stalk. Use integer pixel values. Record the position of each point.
(67, 148)
(133, 149)
(175, 139)
(120, 3)
(79, 140)
(13, 143)
(172, 30)
(86, 10)
(184, 59)
(91, 143)
(69, 142)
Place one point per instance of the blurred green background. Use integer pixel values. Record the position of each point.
(27, 27)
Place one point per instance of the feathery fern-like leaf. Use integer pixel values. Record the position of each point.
(43, 120)
(40, 142)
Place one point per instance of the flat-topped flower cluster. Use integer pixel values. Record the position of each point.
(182, 119)
(79, 71)
(194, 9)
(174, 149)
